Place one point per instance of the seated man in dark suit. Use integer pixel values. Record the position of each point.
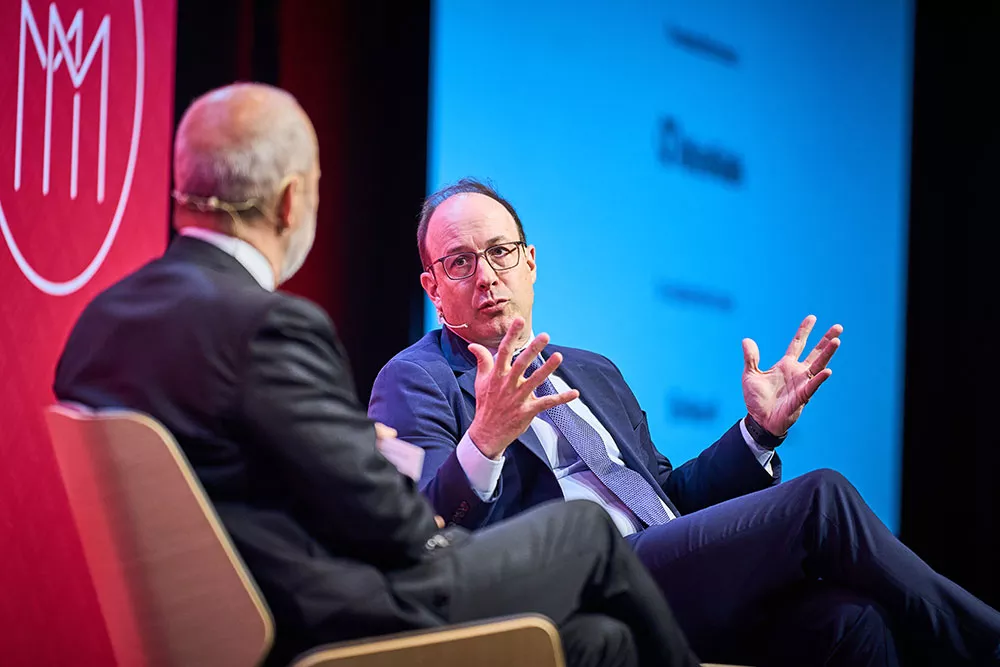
(256, 388)
(756, 571)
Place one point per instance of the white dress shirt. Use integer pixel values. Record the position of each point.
(575, 479)
(244, 253)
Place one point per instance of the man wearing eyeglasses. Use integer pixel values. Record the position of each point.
(757, 571)
(256, 387)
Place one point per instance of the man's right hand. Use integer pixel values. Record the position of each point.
(505, 400)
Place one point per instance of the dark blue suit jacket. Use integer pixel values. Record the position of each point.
(427, 393)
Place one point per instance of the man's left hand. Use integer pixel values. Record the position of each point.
(383, 432)
(775, 397)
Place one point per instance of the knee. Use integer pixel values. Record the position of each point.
(826, 478)
(833, 492)
(588, 513)
(585, 517)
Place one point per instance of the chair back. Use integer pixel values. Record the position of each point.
(171, 587)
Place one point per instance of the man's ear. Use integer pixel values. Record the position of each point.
(529, 257)
(430, 286)
(286, 203)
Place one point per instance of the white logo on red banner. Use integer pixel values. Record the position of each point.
(85, 47)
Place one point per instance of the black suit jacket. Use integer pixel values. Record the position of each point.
(257, 390)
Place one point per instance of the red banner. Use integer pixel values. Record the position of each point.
(85, 127)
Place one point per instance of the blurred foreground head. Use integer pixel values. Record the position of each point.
(246, 163)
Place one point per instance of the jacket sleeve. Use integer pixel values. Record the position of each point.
(304, 418)
(406, 397)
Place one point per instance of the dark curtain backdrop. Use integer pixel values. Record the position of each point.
(360, 69)
(951, 499)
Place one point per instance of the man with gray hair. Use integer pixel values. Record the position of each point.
(257, 390)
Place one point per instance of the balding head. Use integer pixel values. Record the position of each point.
(246, 163)
(239, 142)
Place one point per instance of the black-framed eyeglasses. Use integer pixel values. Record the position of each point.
(461, 265)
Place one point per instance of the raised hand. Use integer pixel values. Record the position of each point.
(505, 400)
(775, 397)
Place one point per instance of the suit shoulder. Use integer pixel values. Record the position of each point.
(183, 292)
(585, 356)
(425, 354)
(292, 309)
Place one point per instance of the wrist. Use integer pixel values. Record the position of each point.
(761, 435)
(486, 445)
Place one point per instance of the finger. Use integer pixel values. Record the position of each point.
(751, 356)
(820, 362)
(439, 520)
(834, 332)
(541, 374)
(509, 342)
(529, 354)
(801, 336)
(484, 360)
(546, 402)
(384, 432)
(815, 382)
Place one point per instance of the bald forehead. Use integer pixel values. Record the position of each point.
(469, 219)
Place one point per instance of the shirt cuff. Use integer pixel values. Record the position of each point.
(762, 454)
(483, 473)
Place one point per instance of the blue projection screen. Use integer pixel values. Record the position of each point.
(693, 173)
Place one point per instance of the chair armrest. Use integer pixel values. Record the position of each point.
(525, 640)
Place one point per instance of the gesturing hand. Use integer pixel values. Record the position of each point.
(775, 397)
(505, 402)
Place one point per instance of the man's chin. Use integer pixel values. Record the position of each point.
(488, 331)
(501, 325)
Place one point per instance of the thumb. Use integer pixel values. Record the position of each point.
(484, 360)
(751, 356)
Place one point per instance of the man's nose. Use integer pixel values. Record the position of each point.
(486, 275)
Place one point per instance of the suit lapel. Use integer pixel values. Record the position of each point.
(600, 398)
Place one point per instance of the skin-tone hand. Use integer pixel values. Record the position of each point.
(439, 520)
(383, 432)
(775, 397)
(505, 402)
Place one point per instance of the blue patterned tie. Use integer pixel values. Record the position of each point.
(630, 487)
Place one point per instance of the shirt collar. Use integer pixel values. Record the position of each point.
(253, 260)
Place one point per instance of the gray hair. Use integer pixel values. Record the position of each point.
(238, 143)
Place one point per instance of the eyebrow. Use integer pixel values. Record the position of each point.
(489, 243)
